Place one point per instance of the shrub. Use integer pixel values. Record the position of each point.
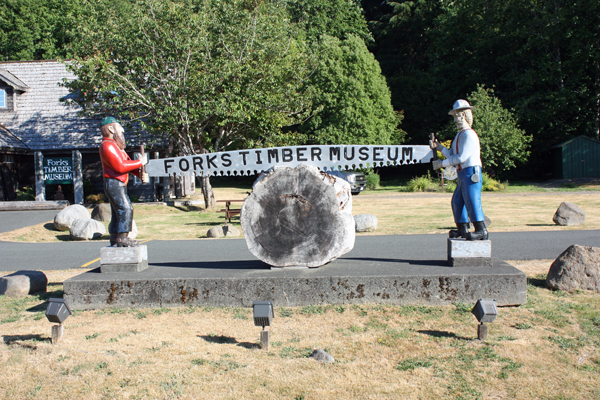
(27, 194)
(449, 186)
(373, 181)
(427, 184)
(421, 184)
(95, 198)
(490, 184)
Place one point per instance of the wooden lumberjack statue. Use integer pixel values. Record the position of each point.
(465, 154)
(116, 166)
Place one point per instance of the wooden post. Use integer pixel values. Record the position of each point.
(40, 190)
(167, 188)
(264, 340)
(77, 177)
(155, 182)
(482, 331)
(186, 186)
(57, 333)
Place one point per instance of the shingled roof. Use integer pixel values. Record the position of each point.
(10, 142)
(40, 120)
(12, 80)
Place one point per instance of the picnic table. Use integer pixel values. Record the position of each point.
(230, 212)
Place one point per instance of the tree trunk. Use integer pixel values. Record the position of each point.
(298, 217)
(207, 192)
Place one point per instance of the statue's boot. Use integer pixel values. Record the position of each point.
(462, 231)
(480, 232)
(124, 241)
(113, 238)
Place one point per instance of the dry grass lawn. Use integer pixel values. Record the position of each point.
(546, 349)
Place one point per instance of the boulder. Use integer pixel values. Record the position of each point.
(298, 217)
(365, 223)
(101, 212)
(14, 286)
(568, 214)
(215, 232)
(322, 356)
(231, 231)
(578, 267)
(87, 229)
(225, 230)
(64, 219)
(134, 230)
(22, 283)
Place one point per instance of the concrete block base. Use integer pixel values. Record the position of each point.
(471, 262)
(470, 253)
(123, 259)
(119, 268)
(343, 281)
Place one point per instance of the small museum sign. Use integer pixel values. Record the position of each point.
(58, 171)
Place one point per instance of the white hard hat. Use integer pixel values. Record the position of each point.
(460, 105)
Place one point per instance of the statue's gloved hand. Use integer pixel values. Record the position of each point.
(144, 158)
(145, 178)
(437, 164)
(435, 145)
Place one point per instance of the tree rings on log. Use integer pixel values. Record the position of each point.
(298, 217)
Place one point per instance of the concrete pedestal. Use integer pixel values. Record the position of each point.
(470, 253)
(343, 281)
(123, 259)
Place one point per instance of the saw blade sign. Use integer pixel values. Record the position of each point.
(325, 157)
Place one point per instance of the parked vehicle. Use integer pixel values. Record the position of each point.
(357, 180)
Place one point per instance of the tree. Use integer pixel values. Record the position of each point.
(340, 18)
(351, 97)
(540, 56)
(403, 47)
(503, 144)
(203, 74)
(36, 29)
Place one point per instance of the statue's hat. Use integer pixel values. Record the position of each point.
(108, 120)
(460, 105)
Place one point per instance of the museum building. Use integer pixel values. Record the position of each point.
(37, 117)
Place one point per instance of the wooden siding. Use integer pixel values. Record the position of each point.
(578, 158)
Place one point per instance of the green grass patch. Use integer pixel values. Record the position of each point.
(523, 325)
(294, 352)
(412, 363)
(312, 310)
(240, 313)
(92, 336)
(285, 312)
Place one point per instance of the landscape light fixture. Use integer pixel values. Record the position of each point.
(485, 311)
(58, 310)
(263, 315)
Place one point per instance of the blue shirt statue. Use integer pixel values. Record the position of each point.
(465, 155)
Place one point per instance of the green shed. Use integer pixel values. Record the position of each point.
(577, 158)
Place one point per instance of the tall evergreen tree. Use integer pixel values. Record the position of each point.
(351, 97)
(541, 57)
